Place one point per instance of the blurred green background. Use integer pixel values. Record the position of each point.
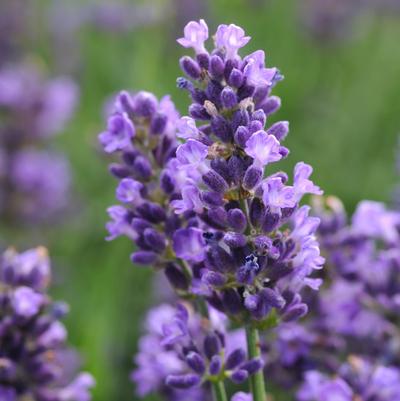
(342, 99)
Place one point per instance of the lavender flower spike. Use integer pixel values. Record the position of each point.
(32, 336)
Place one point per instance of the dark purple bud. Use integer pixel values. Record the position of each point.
(237, 167)
(126, 102)
(261, 93)
(230, 64)
(252, 177)
(231, 301)
(284, 151)
(220, 165)
(279, 130)
(220, 259)
(253, 365)
(182, 381)
(139, 225)
(167, 183)
(260, 116)
(245, 91)
(257, 211)
(204, 60)
(144, 104)
(196, 362)
(240, 117)
(272, 298)
(215, 365)
(216, 217)
(213, 199)
(129, 157)
(213, 91)
(190, 67)
(216, 66)
(255, 126)
(143, 257)
(237, 219)
(154, 239)
(199, 96)
(198, 112)
(158, 123)
(241, 136)
(271, 221)
(212, 345)
(221, 128)
(152, 212)
(236, 78)
(235, 358)
(294, 312)
(142, 167)
(183, 83)
(214, 279)
(119, 171)
(228, 98)
(176, 277)
(215, 182)
(239, 376)
(235, 240)
(271, 105)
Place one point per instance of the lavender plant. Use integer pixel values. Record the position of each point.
(354, 317)
(35, 363)
(198, 206)
(34, 180)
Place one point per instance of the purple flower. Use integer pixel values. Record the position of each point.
(241, 396)
(189, 244)
(119, 134)
(302, 185)
(129, 191)
(231, 38)
(187, 128)
(30, 268)
(195, 34)
(42, 180)
(119, 224)
(318, 387)
(372, 219)
(59, 101)
(255, 70)
(263, 148)
(276, 195)
(26, 302)
(193, 154)
(78, 389)
(190, 200)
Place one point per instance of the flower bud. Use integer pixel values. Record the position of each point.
(190, 67)
(216, 66)
(237, 219)
(235, 358)
(228, 98)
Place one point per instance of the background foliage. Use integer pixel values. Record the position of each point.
(342, 100)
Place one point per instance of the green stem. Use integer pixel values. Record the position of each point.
(219, 392)
(257, 384)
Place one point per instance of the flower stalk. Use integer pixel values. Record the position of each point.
(257, 384)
